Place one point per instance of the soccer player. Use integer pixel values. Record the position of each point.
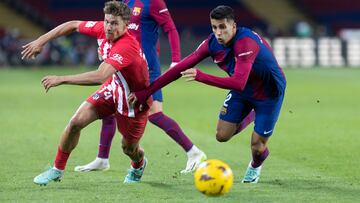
(123, 70)
(146, 18)
(256, 83)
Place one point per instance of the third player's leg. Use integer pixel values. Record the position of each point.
(173, 130)
(156, 107)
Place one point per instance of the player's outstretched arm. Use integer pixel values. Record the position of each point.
(96, 77)
(172, 74)
(32, 49)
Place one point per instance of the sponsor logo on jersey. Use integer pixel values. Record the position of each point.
(245, 53)
(163, 10)
(136, 11)
(133, 26)
(90, 24)
(117, 57)
(217, 61)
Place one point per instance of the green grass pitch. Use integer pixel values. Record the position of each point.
(314, 151)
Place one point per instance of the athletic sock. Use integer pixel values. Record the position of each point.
(258, 159)
(61, 159)
(172, 129)
(246, 121)
(107, 133)
(137, 165)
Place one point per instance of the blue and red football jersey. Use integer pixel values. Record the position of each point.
(147, 16)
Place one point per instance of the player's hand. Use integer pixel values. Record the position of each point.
(139, 98)
(31, 50)
(189, 74)
(51, 81)
(132, 99)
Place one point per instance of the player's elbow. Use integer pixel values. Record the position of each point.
(100, 77)
(239, 86)
(101, 80)
(74, 25)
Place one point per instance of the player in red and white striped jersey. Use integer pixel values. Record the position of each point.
(124, 70)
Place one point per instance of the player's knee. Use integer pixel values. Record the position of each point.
(75, 124)
(222, 136)
(128, 150)
(257, 148)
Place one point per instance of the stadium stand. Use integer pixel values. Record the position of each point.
(333, 14)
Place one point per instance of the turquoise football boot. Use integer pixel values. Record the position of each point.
(49, 175)
(252, 175)
(134, 175)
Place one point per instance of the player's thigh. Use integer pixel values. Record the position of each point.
(84, 115)
(225, 130)
(132, 129)
(266, 115)
(234, 110)
(155, 107)
(154, 73)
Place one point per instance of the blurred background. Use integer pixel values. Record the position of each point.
(303, 33)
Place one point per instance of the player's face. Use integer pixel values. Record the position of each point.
(114, 27)
(224, 30)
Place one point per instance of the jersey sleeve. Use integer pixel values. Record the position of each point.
(160, 13)
(174, 73)
(245, 51)
(120, 57)
(92, 28)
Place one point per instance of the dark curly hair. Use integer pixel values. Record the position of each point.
(222, 12)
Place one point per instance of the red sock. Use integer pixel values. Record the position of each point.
(137, 165)
(61, 159)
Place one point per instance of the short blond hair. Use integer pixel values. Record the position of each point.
(117, 8)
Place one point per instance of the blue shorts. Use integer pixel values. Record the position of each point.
(237, 107)
(154, 74)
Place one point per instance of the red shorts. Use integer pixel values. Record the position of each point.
(103, 100)
(131, 128)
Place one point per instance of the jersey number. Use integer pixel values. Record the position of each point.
(228, 97)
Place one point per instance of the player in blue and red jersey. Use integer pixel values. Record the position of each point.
(146, 19)
(256, 83)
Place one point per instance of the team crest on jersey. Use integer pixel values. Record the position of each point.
(117, 57)
(223, 110)
(96, 96)
(136, 11)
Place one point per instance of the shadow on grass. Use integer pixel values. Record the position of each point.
(316, 185)
(157, 184)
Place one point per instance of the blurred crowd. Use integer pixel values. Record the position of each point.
(78, 49)
(73, 50)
